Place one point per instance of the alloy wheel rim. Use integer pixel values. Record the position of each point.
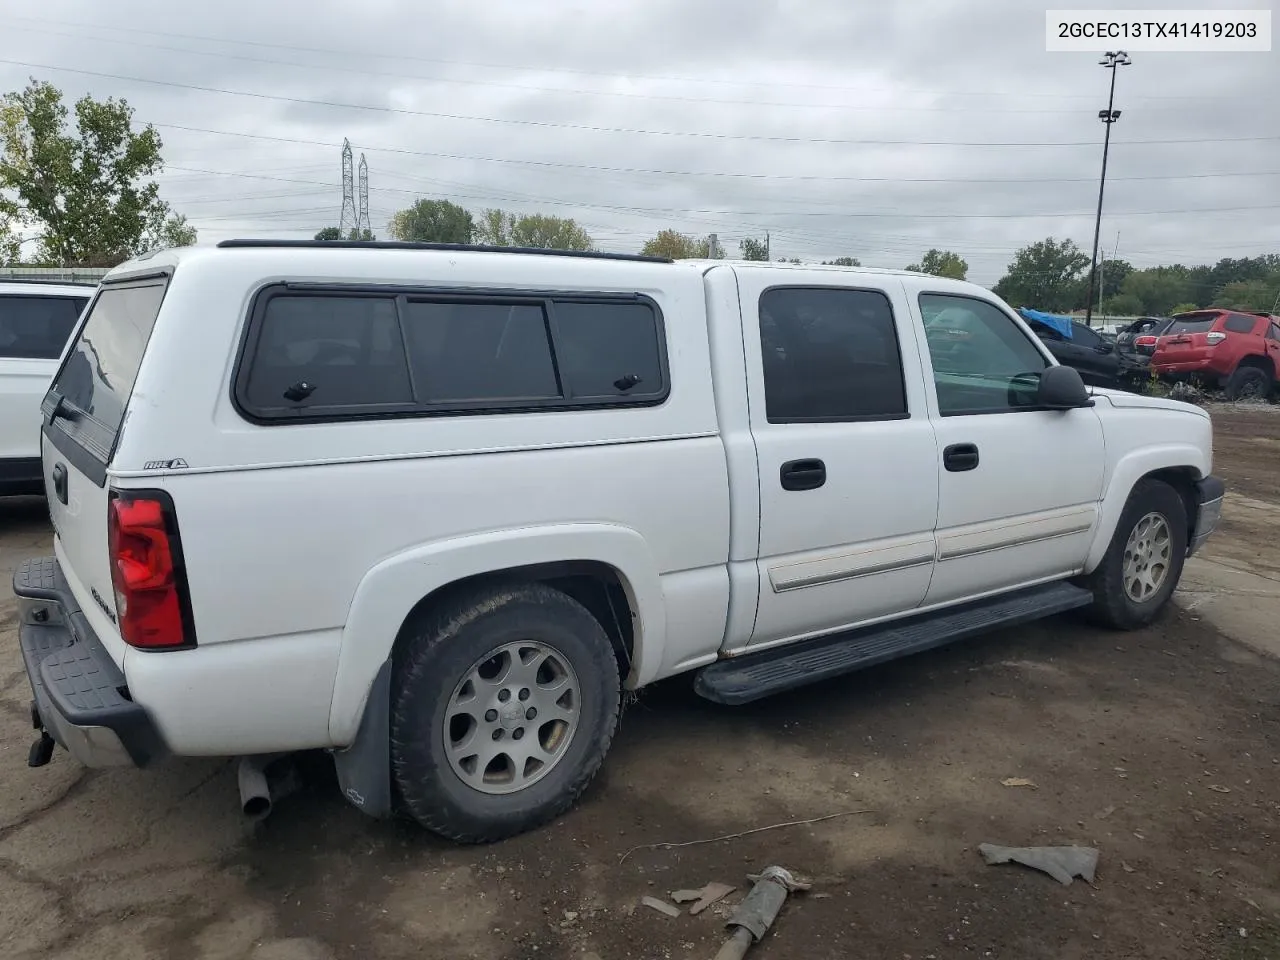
(1147, 555)
(511, 717)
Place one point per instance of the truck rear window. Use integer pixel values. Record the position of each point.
(96, 380)
(37, 327)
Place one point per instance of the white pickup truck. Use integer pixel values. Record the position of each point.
(433, 508)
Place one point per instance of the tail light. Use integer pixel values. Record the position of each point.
(1213, 339)
(1146, 341)
(147, 571)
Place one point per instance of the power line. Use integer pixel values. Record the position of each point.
(614, 75)
(558, 164)
(591, 128)
(890, 214)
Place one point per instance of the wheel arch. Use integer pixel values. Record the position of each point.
(1178, 464)
(1259, 362)
(603, 566)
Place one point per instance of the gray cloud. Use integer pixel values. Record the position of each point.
(786, 74)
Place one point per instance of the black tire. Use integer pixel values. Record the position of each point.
(439, 652)
(1112, 605)
(1248, 383)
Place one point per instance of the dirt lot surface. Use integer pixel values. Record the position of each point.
(1159, 747)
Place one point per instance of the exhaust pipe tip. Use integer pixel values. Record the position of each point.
(255, 792)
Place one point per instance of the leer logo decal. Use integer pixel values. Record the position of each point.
(178, 464)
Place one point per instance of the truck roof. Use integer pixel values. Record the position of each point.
(168, 258)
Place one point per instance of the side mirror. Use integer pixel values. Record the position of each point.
(1062, 389)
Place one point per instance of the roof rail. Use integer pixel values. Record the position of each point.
(42, 281)
(455, 247)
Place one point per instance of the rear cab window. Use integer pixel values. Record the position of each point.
(338, 354)
(86, 403)
(37, 327)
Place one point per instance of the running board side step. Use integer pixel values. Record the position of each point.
(751, 676)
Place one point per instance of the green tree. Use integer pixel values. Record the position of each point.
(1159, 288)
(1183, 308)
(85, 191)
(753, 249)
(942, 263)
(842, 262)
(537, 231)
(493, 228)
(433, 221)
(1112, 274)
(1255, 296)
(543, 232)
(1122, 305)
(1044, 275)
(675, 246)
(335, 233)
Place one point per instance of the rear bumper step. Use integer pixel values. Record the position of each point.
(81, 698)
(755, 675)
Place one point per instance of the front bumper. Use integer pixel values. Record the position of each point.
(1208, 512)
(81, 698)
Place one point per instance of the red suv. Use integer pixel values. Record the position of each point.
(1237, 351)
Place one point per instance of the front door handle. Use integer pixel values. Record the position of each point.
(960, 457)
(803, 474)
(60, 482)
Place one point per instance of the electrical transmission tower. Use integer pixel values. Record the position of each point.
(362, 224)
(348, 221)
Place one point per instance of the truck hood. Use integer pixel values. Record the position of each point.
(1121, 398)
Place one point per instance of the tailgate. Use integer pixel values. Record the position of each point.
(1186, 341)
(82, 416)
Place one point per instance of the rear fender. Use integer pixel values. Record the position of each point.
(390, 591)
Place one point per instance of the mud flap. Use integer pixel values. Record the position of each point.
(364, 768)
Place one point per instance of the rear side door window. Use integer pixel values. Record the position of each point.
(830, 355)
(982, 360)
(37, 327)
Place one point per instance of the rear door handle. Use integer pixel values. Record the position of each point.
(60, 482)
(960, 457)
(803, 474)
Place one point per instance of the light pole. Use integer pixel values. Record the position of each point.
(1111, 59)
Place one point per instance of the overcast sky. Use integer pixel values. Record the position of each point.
(726, 117)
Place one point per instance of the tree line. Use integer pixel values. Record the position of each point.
(1053, 275)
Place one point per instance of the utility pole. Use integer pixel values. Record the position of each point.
(1111, 59)
(1102, 271)
(766, 247)
(713, 244)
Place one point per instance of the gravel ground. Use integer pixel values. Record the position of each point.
(1159, 747)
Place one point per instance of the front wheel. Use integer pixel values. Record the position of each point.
(1143, 563)
(504, 703)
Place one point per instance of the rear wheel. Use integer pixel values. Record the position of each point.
(1248, 383)
(504, 703)
(1143, 563)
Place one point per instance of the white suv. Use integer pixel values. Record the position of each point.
(36, 320)
(433, 508)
